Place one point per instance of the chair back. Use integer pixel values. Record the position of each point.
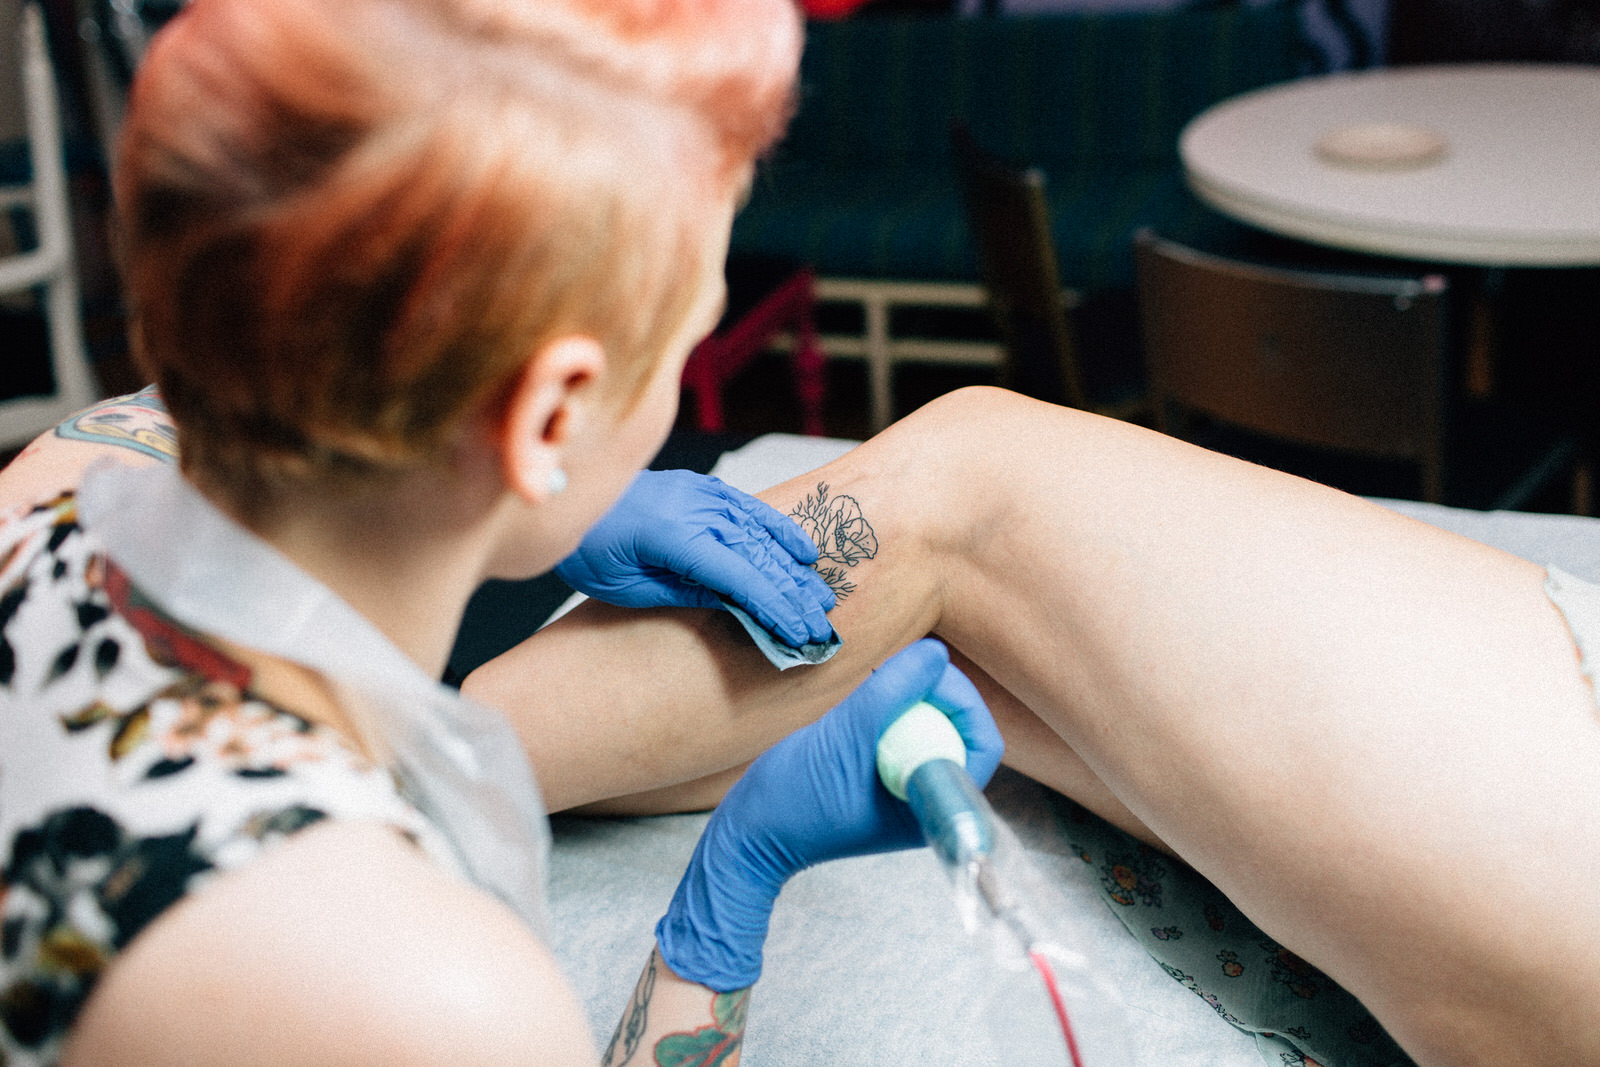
(1351, 363)
(1492, 31)
(1010, 222)
(48, 266)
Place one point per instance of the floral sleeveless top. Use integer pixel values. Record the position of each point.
(135, 761)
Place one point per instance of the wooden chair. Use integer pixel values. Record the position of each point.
(46, 268)
(1343, 377)
(1492, 31)
(1009, 218)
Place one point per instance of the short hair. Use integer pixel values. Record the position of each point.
(348, 223)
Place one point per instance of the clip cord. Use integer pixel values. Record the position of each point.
(921, 760)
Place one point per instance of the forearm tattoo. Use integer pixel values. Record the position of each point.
(705, 1046)
(842, 534)
(711, 1045)
(139, 422)
(630, 1030)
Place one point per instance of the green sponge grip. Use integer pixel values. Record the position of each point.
(921, 734)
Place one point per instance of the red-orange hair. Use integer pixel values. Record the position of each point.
(348, 223)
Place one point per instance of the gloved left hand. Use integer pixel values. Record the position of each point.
(814, 796)
(681, 539)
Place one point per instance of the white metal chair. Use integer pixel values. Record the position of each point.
(48, 267)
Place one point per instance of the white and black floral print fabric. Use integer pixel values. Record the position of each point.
(134, 762)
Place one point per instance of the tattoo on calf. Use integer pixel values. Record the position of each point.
(842, 534)
(139, 422)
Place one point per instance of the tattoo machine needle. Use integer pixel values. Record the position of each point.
(922, 760)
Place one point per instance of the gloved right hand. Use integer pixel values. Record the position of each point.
(814, 796)
(681, 539)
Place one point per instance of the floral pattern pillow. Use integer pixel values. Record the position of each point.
(1299, 1016)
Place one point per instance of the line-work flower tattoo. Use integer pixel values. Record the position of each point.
(842, 535)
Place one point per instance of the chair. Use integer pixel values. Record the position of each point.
(1009, 219)
(48, 265)
(1341, 377)
(767, 295)
(115, 35)
(1492, 31)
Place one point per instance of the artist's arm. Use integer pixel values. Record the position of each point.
(667, 1016)
(813, 797)
(133, 429)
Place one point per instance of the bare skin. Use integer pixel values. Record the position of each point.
(1371, 734)
(344, 943)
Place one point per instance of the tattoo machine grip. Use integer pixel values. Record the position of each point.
(923, 761)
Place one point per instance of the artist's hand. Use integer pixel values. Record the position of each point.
(814, 796)
(681, 539)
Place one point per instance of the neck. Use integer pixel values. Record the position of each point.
(407, 555)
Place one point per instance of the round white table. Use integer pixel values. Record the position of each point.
(1492, 165)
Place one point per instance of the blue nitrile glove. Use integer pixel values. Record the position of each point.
(679, 539)
(814, 796)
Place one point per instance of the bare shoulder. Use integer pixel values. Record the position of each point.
(342, 945)
(133, 429)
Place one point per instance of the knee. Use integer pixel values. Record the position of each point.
(970, 407)
(946, 454)
(963, 426)
(972, 430)
(949, 434)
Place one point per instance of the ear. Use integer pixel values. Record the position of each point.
(548, 405)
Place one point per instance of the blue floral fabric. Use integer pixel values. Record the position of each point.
(1300, 1017)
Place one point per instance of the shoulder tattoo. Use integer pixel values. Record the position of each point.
(139, 422)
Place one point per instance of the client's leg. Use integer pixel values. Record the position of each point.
(613, 701)
(1371, 734)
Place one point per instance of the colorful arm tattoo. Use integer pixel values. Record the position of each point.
(842, 535)
(709, 1046)
(715, 1045)
(139, 422)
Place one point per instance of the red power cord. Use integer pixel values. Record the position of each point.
(1042, 965)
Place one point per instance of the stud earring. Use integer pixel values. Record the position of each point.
(557, 482)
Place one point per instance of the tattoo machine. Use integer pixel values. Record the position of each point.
(922, 760)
